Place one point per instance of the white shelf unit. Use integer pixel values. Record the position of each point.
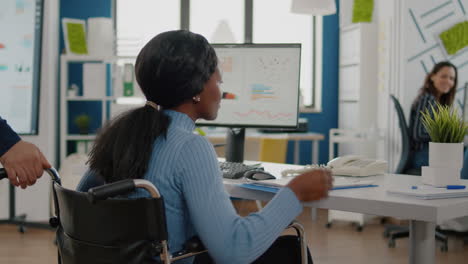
(104, 101)
(357, 96)
(358, 62)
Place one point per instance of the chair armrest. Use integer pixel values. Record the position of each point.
(192, 247)
(194, 244)
(110, 190)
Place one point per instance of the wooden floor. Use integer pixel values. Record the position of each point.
(339, 244)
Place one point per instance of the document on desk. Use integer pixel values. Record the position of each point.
(339, 183)
(428, 192)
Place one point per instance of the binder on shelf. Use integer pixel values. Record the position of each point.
(101, 36)
(94, 80)
(128, 80)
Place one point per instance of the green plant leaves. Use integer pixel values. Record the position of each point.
(443, 124)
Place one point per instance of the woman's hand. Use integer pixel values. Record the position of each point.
(312, 185)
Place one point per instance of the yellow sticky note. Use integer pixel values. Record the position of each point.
(74, 32)
(362, 10)
(455, 38)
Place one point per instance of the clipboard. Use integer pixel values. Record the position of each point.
(275, 185)
(427, 192)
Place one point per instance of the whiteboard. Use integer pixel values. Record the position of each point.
(20, 48)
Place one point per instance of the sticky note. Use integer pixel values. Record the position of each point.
(455, 38)
(362, 11)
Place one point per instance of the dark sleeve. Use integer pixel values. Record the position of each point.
(8, 137)
(418, 131)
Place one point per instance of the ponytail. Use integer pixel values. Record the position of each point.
(124, 145)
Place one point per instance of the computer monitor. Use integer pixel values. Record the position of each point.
(20, 53)
(260, 90)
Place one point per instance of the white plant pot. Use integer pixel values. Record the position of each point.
(440, 176)
(445, 164)
(446, 155)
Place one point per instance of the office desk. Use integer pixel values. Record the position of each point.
(296, 137)
(423, 214)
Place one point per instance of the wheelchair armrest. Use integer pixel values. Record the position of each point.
(194, 244)
(192, 247)
(110, 190)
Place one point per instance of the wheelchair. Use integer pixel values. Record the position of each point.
(102, 227)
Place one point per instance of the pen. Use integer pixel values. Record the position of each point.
(455, 187)
(448, 187)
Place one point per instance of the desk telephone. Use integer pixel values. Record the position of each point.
(352, 165)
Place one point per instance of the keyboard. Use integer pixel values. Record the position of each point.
(235, 170)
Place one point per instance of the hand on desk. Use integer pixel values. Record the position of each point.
(312, 185)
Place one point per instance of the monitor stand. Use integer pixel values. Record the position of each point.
(235, 145)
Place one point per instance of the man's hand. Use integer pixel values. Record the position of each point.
(313, 185)
(24, 164)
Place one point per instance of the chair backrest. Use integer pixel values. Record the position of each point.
(405, 144)
(273, 150)
(108, 231)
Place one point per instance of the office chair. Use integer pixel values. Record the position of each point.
(393, 232)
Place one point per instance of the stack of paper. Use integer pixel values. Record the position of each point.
(338, 184)
(428, 192)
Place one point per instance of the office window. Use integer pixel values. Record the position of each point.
(137, 21)
(224, 23)
(273, 22)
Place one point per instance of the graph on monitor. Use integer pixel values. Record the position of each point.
(260, 85)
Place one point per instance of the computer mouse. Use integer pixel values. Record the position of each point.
(258, 175)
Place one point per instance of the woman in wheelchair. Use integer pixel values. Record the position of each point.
(177, 72)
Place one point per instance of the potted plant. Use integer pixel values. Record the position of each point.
(82, 122)
(447, 130)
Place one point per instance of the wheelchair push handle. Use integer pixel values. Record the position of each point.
(52, 172)
(109, 190)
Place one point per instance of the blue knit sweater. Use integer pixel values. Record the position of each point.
(418, 133)
(185, 169)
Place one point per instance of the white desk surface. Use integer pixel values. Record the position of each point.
(373, 200)
(423, 214)
(257, 135)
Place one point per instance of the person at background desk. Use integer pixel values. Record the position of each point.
(23, 161)
(439, 86)
(178, 74)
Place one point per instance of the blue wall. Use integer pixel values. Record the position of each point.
(318, 122)
(83, 9)
(328, 118)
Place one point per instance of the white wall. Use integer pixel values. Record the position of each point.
(405, 53)
(422, 48)
(34, 201)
